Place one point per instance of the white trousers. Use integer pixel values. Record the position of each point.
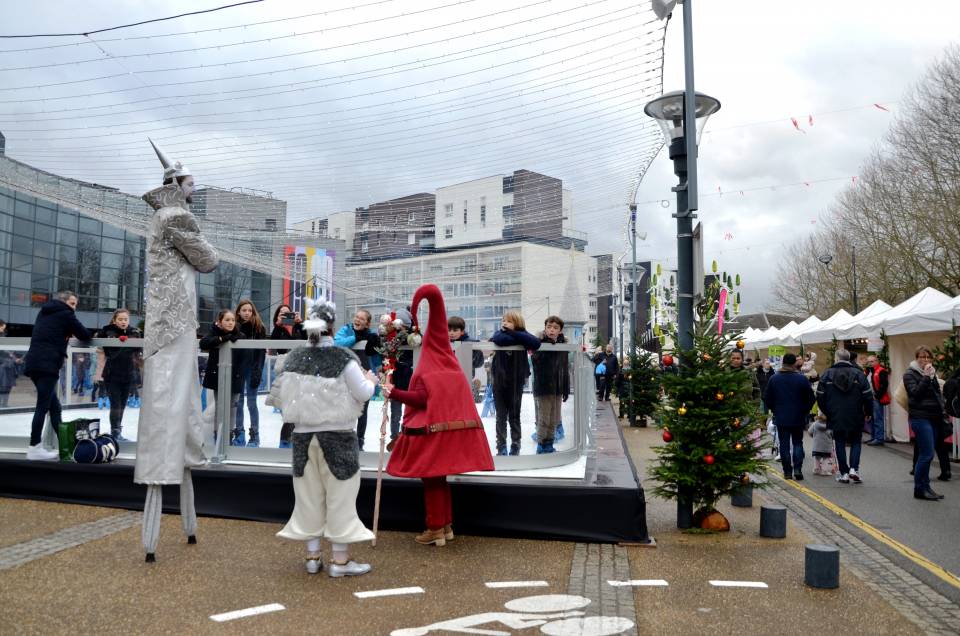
(326, 507)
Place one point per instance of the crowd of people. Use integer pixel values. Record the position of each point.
(848, 401)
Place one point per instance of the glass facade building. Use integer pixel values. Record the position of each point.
(46, 247)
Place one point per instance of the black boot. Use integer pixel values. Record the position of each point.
(927, 495)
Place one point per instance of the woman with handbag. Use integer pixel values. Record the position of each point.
(927, 421)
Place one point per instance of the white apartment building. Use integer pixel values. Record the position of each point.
(521, 205)
(481, 283)
(340, 226)
(471, 212)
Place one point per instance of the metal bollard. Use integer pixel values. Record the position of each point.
(821, 566)
(742, 497)
(773, 521)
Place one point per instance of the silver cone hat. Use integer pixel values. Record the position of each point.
(171, 168)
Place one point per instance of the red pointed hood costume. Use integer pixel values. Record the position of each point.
(448, 407)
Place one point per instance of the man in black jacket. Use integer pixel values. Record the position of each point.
(845, 398)
(610, 375)
(55, 324)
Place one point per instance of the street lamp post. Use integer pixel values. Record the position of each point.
(826, 259)
(682, 116)
(670, 112)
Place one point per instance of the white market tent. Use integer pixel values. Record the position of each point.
(824, 331)
(809, 324)
(930, 310)
(839, 328)
(765, 337)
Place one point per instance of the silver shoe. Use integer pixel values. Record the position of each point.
(350, 568)
(314, 563)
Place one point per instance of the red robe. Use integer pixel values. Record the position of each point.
(429, 401)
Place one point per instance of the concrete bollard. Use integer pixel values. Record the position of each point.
(821, 566)
(684, 513)
(773, 521)
(742, 497)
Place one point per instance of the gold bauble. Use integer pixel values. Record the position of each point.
(682, 410)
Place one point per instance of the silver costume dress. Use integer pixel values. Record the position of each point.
(169, 435)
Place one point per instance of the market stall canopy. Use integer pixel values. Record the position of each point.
(824, 332)
(852, 328)
(766, 337)
(930, 310)
(809, 324)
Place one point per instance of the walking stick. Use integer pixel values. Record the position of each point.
(376, 498)
(383, 441)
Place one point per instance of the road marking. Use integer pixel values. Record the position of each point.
(639, 583)
(250, 611)
(738, 584)
(397, 591)
(498, 584)
(879, 535)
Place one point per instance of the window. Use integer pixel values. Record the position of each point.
(448, 231)
(411, 239)
(412, 218)
(508, 184)
(483, 216)
(448, 210)
(270, 225)
(464, 216)
(366, 225)
(365, 247)
(313, 226)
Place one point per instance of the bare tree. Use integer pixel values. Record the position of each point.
(902, 217)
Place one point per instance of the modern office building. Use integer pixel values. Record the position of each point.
(339, 225)
(523, 205)
(396, 228)
(481, 283)
(58, 233)
(606, 299)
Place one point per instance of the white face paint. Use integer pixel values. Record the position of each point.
(187, 187)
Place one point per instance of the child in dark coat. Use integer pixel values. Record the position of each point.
(223, 330)
(510, 370)
(551, 383)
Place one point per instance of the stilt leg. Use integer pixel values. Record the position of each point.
(152, 510)
(188, 510)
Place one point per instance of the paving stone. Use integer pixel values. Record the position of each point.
(21, 553)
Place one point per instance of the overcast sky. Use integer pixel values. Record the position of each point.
(363, 104)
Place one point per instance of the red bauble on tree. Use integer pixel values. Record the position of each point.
(668, 360)
(708, 460)
(667, 436)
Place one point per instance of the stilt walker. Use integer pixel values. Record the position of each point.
(169, 437)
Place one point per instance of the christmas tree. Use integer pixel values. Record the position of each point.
(710, 421)
(641, 387)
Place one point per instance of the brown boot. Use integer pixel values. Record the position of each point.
(435, 537)
(448, 532)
